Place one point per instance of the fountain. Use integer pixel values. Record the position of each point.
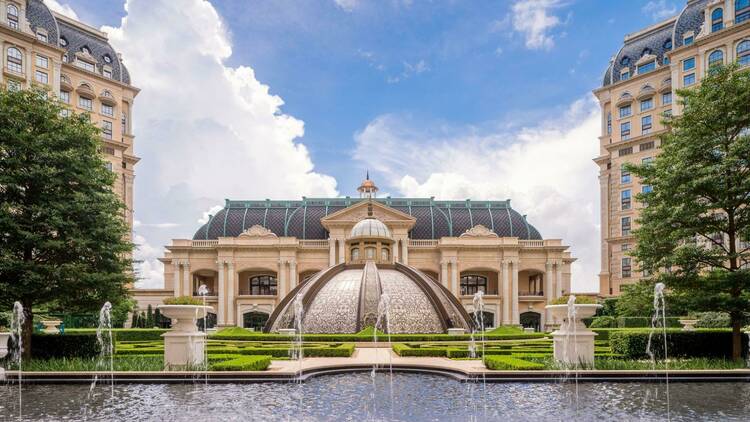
(16, 332)
(383, 320)
(184, 344)
(104, 338)
(659, 317)
(580, 351)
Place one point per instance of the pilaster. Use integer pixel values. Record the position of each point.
(221, 315)
(455, 288)
(559, 278)
(230, 294)
(506, 293)
(514, 287)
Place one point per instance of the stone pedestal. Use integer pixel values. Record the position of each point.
(456, 331)
(3, 351)
(573, 342)
(688, 324)
(184, 344)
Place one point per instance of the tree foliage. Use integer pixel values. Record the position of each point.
(694, 229)
(63, 238)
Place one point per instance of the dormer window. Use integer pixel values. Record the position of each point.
(85, 50)
(41, 36)
(625, 61)
(717, 20)
(85, 65)
(107, 73)
(625, 75)
(647, 67)
(688, 39)
(107, 58)
(668, 44)
(741, 10)
(63, 42)
(12, 15)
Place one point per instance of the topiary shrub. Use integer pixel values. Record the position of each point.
(580, 300)
(404, 350)
(709, 343)
(69, 345)
(183, 300)
(713, 320)
(603, 322)
(243, 363)
(510, 363)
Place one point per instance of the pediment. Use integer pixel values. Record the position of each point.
(258, 232)
(358, 212)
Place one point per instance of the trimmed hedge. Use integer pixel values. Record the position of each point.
(405, 350)
(126, 334)
(645, 322)
(710, 343)
(464, 353)
(510, 363)
(243, 363)
(68, 345)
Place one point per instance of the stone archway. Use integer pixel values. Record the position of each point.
(531, 320)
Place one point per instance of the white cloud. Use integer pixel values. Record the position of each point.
(409, 70)
(347, 5)
(534, 20)
(61, 8)
(659, 9)
(205, 131)
(545, 170)
(207, 214)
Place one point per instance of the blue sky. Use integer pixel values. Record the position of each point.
(452, 99)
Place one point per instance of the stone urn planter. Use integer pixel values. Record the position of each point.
(688, 324)
(184, 344)
(573, 343)
(4, 337)
(50, 326)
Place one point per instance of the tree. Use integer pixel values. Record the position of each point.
(695, 228)
(63, 238)
(149, 317)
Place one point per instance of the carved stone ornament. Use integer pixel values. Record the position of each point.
(258, 231)
(479, 231)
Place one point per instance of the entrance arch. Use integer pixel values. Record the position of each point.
(254, 320)
(531, 320)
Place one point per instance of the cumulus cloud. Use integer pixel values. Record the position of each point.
(659, 9)
(61, 8)
(546, 171)
(534, 19)
(205, 131)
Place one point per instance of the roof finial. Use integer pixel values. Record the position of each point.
(367, 176)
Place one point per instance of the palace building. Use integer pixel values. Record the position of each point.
(77, 64)
(638, 89)
(339, 255)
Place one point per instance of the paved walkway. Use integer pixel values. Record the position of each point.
(383, 357)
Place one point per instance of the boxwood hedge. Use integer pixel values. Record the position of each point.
(495, 362)
(242, 363)
(710, 343)
(69, 345)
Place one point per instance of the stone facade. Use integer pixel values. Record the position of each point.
(76, 63)
(639, 87)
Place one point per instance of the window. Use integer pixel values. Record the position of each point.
(667, 113)
(647, 104)
(124, 122)
(625, 226)
(385, 255)
(741, 10)
(646, 189)
(666, 60)
(625, 111)
(609, 123)
(625, 75)
(106, 129)
(41, 77)
(108, 165)
(626, 269)
(370, 253)
(646, 146)
(716, 58)
(688, 64)
(688, 80)
(107, 73)
(625, 247)
(65, 97)
(647, 67)
(625, 61)
(625, 199)
(12, 14)
(624, 175)
(108, 110)
(42, 62)
(85, 103)
(63, 42)
(41, 36)
(263, 285)
(625, 131)
(743, 53)
(471, 284)
(668, 44)
(688, 40)
(85, 65)
(15, 60)
(666, 98)
(717, 20)
(355, 254)
(647, 161)
(625, 151)
(646, 124)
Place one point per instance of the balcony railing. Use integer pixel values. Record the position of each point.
(532, 243)
(204, 243)
(314, 244)
(422, 243)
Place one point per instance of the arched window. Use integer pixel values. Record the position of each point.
(355, 254)
(254, 320)
(743, 53)
(263, 285)
(717, 20)
(741, 10)
(471, 284)
(15, 60)
(385, 255)
(715, 59)
(12, 16)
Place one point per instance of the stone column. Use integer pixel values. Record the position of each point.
(187, 288)
(342, 252)
(559, 278)
(281, 289)
(444, 273)
(221, 314)
(548, 289)
(405, 251)
(455, 288)
(331, 251)
(292, 274)
(514, 295)
(230, 294)
(506, 294)
(177, 278)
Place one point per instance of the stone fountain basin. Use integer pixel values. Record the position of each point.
(184, 316)
(4, 344)
(560, 312)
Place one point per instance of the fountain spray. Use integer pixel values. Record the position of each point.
(659, 312)
(16, 328)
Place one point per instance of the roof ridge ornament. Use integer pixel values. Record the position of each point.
(258, 231)
(479, 231)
